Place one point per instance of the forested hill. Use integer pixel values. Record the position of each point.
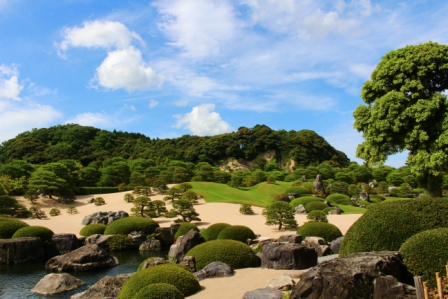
(89, 144)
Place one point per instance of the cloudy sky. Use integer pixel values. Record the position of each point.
(202, 67)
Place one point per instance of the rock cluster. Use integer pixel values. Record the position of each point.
(103, 217)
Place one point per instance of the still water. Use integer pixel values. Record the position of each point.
(16, 281)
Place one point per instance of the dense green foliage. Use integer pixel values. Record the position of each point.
(171, 274)
(10, 206)
(92, 229)
(212, 232)
(246, 209)
(424, 254)
(184, 228)
(282, 214)
(317, 215)
(385, 226)
(315, 206)
(158, 291)
(8, 226)
(304, 200)
(41, 232)
(236, 232)
(298, 189)
(119, 242)
(340, 199)
(129, 224)
(324, 230)
(231, 252)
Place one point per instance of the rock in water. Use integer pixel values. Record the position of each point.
(55, 283)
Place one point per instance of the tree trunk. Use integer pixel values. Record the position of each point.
(435, 185)
(280, 225)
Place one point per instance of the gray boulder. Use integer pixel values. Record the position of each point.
(336, 244)
(184, 244)
(287, 256)
(167, 235)
(282, 283)
(388, 287)
(64, 243)
(318, 183)
(150, 245)
(107, 287)
(352, 276)
(300, 209)
(98, 239)
(215, 269)
(319, 244)
(189, 262)
(103, 217)
(20, 250)
(364, 196)
(154, 261)
(266, 293)
(85, 258)
(137, 238)
(55, 283)
(295, 239)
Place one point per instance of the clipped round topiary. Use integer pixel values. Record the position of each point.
(237, 232)
(233, 253)
(171, 274)
(385, 226)
(338, 198)
(426, 265)
(120, 242)
(43, 233)
(303, 201)
(92, 229)
(298, 189)
(324, 230)
(8, 226)
(317, 215)
(158, 291)
(315, 206)
(184, 228)
(129, 224)
(212, 232)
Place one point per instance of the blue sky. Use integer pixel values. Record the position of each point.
(203, 67)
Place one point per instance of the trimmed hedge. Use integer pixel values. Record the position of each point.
(324, 230)
(171, 274)
(158, 291)
(338, 198)
(184, 228)
(8, 226)
(92, 229)
(303, 201)
(298, 189)
(237, 232)
(43, 233)
(317, 215)
(386, 226)
(315, 206)
(96, 190)
(127, 225)
(424, 254)
(212, 232)
(231, 252)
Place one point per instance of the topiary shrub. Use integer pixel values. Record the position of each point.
(324, 230)
(171, 274)
(231, 252)
(43, 233)
(387, 225)
(119, 242)
(212, 232)
(298, 189)
(246, 209)
(9, 226)
(303, 201)
(184, 228)
(338, 198)
(424, 255)
(316, 215)
(158, 291)
(92, 229)
(315, 206)
(55, 212)
(237, 232)
(127, 225)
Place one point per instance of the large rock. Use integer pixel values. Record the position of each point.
(215, 269)
(318, 183)
(287, 256)
(55, 283)
(282, 283)
(167, 236)
(266, 293)
(184, 244)
(150, 245)
(103, 217)
(336, 244)
(300, 209)
(138, 238)
(85, 258)
(98, 239)
(352, 277)
(319, 244)
(107, 287)
(296, 239)
(64, 243)
(155, 261)
(20, 250)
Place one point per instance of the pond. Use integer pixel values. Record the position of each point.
(16, 281)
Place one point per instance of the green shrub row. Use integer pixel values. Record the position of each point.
(8, 226)
(211, 233)
(127, 225)
(303, 201)
(92, 229)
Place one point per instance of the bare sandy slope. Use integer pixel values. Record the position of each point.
(231, 287)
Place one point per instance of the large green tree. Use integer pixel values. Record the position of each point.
(407, 110)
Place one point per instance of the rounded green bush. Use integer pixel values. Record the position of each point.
(315, 206)
(415, 254)
(338, 198)
(8, 226)
(92, 229)
(324, 230)
(298, 189)
(231, 252)
(120, 242)
(308, 185)
(303, 201)
(43, 233)
(387, 225)
(127, 225)
(317, 215)
(171, 274)
(212, 232)
(158, 291)
(379, 197)
(237, 232)
(184, 228)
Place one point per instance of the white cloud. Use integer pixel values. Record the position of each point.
(203, 121)
(153, 103)
(362, 70)
(320, 24)
(181, 103)
(92, 119)
(126, 69)
(10, 87)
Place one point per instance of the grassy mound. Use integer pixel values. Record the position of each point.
(212, 232)
(304, 200)
(231, 252)
(315, 206)
(184, 228)
(236, 232)
(43, 233)
(324, 230)
(8, 226)
(92, 229)
(339, 198)
(158, 291)
(171, 274)
(127, 225)
(385, 226)
(298, 189)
